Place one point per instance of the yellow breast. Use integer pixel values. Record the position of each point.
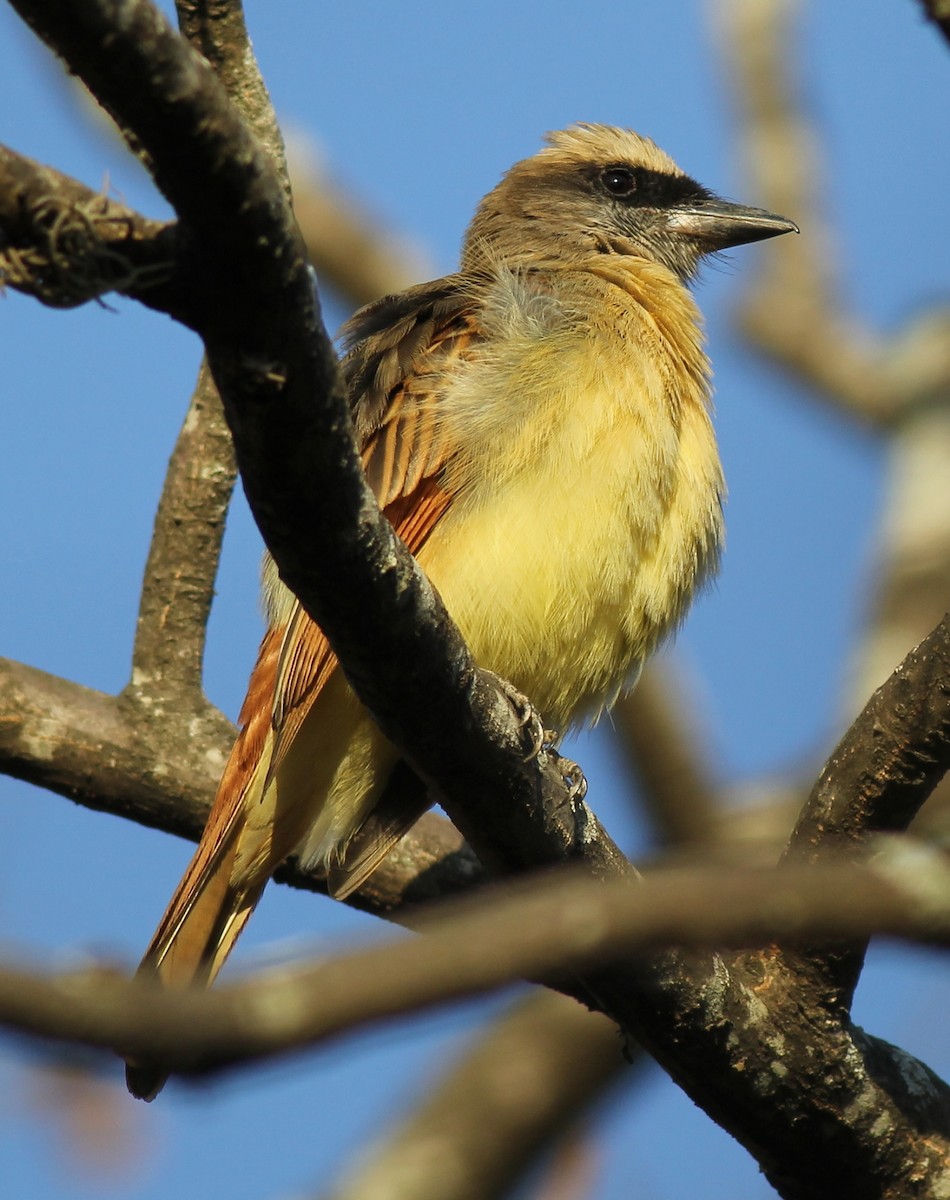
(588, 494)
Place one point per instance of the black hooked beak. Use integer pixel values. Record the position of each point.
(718, 224)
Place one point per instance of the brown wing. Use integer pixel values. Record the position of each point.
(402, 349)
(402, 352)
(171, 954)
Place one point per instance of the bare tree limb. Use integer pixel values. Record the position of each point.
(87, 746)
(82, 744)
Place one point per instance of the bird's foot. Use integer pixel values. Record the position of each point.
(536, 736)
(572, 773)
(540, 740)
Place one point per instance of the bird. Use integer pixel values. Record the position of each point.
(537, 428)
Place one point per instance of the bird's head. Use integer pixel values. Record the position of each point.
(600, 188)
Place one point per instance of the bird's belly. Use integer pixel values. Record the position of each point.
(564, 577)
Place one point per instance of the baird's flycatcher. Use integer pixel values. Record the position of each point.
(537, 429)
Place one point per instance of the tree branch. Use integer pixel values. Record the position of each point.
(542, 927)
(66, 244)
(183, 559)
(82, 744)
(88, 747)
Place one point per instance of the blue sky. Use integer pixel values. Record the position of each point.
(419, 109)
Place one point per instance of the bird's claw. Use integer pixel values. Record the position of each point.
(573, 775)
(528, 719)
(540, 740)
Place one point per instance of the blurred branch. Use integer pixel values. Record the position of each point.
(349, 248)
(795, 312)
(912, 578)
(544, 927)
(513, 1093)
(570, 1173)
(664, 754)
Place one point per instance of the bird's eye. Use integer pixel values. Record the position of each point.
(619, 181)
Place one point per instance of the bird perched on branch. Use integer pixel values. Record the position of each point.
(537, 429)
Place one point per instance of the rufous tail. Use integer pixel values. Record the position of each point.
(217, 894)
(202, 923)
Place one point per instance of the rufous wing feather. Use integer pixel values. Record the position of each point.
(207, 911)
(404, 351)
